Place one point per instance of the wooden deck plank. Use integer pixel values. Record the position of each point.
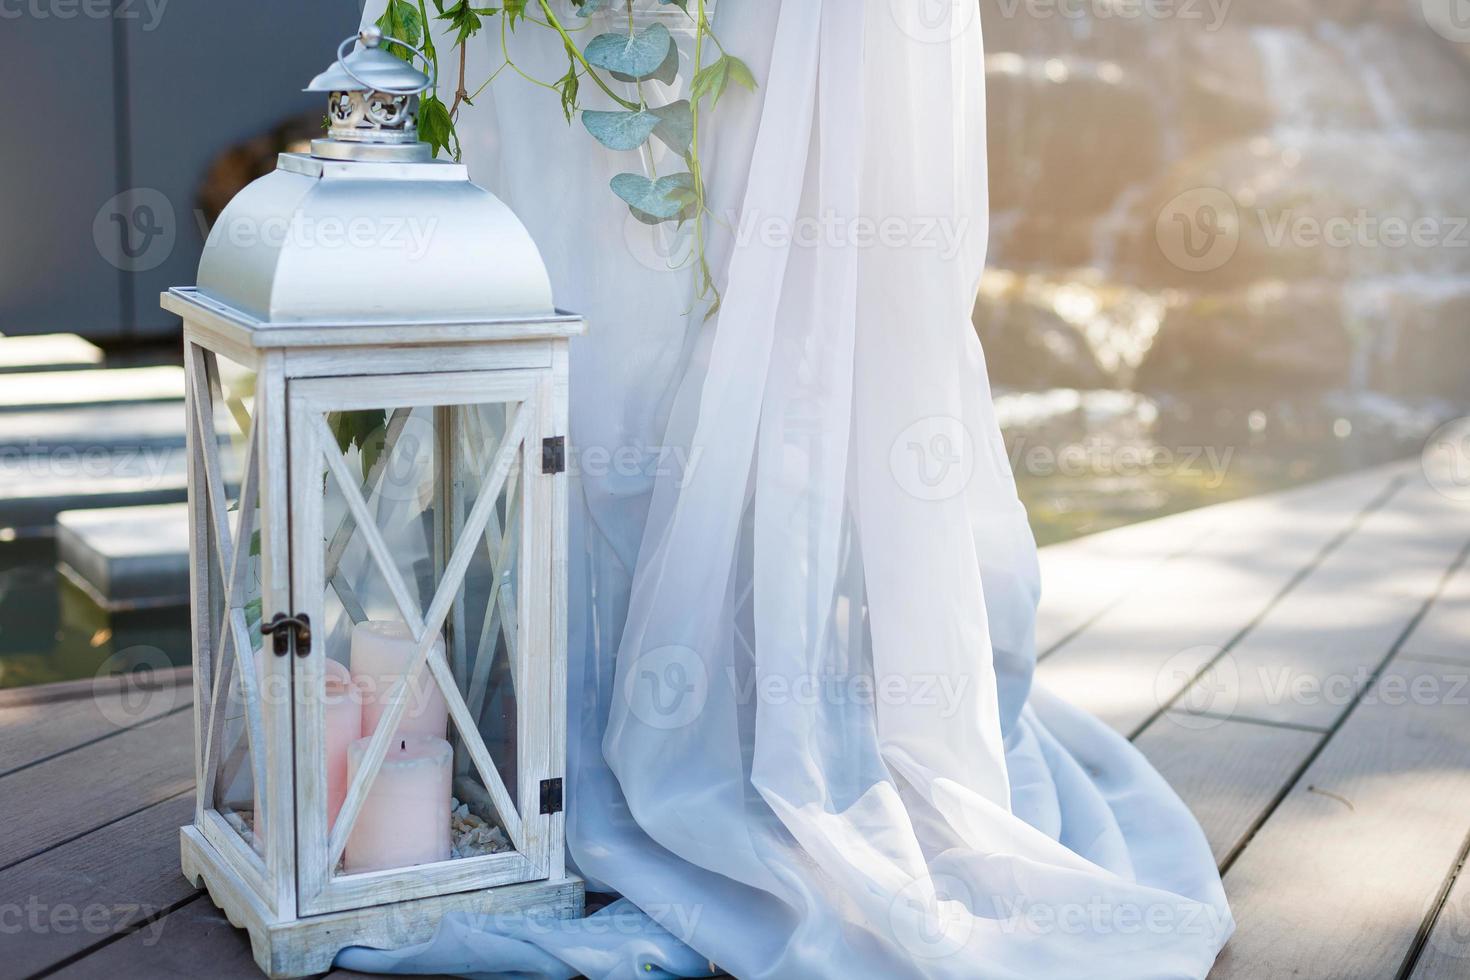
(1444, 632)
(1446, 951)
(1082, 579)
(33, 732)
(1338, 880)
(72, 794)
(192, 941)
(1129, 664)
(1311, 655)
(110, 881)
(1229, 773)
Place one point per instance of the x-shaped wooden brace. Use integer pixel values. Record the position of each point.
(426, 628)
(500, 546)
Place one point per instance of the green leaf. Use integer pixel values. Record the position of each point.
(675, 126)
(372, 450)
(401, 20)
(587, 8)
(435, 126)
(465, 20)
(710, 81)
(569, 85)
(620, 130)
(714, 78)
(740, 73)
(663, 199)
(632, 56)
(681, 4)
(367, 430)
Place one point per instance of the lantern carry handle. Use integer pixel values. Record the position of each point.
(374, 36)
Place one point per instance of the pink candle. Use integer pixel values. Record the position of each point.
(342, 721)
(342, 718)
(381, 651)
(405, 818)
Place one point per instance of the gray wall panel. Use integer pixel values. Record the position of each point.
(190, 78)
(57, 166)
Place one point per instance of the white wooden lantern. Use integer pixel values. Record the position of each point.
(377, 396)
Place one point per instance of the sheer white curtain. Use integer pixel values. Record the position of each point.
(803, 738)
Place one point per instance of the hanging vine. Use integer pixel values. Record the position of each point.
(617, 58)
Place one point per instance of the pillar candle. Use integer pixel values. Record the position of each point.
(381, 651)
(405, 818)
(342, 719)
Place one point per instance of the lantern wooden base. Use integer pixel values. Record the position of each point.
(303, 947)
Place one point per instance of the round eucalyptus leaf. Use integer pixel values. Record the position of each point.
(668, 72)
(675, 126)
(620, 130)
(665, 199)
(635, 56)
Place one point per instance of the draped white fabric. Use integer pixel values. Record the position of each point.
(803, 739)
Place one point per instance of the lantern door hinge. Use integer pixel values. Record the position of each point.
(551, 795)
(283, 628)
(554, 455)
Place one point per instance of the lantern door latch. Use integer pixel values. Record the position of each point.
(554, 455)
(282, 628)
(551, 795)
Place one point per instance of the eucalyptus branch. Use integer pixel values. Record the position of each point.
(577, 54)
(630, 58)
(706, 281)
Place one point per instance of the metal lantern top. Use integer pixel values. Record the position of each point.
(368, 230)
(370, 100)
(372, 68)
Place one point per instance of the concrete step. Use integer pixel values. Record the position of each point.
(47, 352)
(113, 386)
(34, 489)
(89, 429)
(127, 558)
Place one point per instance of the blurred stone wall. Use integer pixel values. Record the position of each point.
(1262, 195)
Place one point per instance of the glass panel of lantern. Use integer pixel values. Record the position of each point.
(229, 517)
(424, 510)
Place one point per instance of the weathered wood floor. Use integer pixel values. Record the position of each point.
(1295, 665)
